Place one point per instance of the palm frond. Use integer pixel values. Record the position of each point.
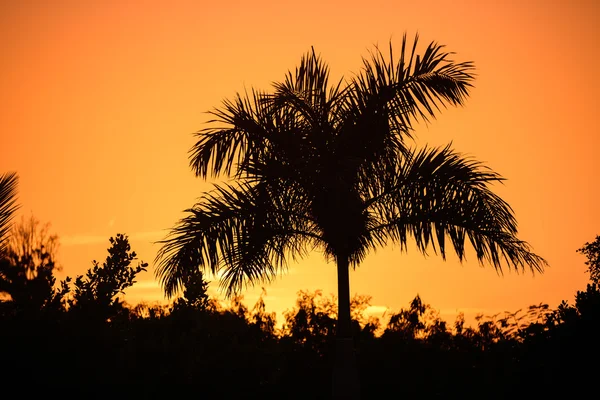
(305, 90)
(387, 97)
(418, 85)
(8, 205)
(439, 194)
(242, 231)
(238, 131)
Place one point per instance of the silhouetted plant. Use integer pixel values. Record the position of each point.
(195, 293)
(583, 318)
(202, 350)
(567, 337)
(408, 323)
(365, 326)
(262, 319)
(592, 253)
(27, 269)
(331, 168)
(145, 310)
(312, 322)
(95, 295)
(587, 303)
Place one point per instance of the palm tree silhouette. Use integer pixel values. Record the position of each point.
(8, 205)
(331, 168)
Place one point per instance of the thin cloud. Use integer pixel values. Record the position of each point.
(81, 240)
(76, 240)
(147, 284)
(376, 310)
(466, 311)
(150, 235)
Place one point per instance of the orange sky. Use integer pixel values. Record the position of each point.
(98, 101)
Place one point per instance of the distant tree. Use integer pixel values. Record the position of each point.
(592, 253)
(568, 336)
(32, 246)
(312, 321)
(27, 269)
(195, 293)
(96, 295)
(145, 310)
(262, 319)
(365, 325)
(587, 302)
(408, 323)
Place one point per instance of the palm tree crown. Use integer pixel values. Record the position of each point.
(332, 168)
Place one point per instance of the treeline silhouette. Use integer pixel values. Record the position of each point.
(79, 339)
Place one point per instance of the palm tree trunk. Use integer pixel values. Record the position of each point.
(345, 369)
(344, 328)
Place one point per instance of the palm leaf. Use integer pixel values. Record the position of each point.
(242, 231)
(8, 205)
(238, 131)
(417, 87)
(439, 194)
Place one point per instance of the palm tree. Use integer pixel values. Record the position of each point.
(8, 206)
(332, 168)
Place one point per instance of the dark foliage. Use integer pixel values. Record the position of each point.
(95, 295)
(27, 267)
(202, 348)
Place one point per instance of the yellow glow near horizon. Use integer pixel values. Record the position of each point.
(98, 101)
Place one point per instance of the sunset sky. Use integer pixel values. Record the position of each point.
(99, 100)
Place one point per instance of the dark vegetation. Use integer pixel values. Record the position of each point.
(78, 336)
